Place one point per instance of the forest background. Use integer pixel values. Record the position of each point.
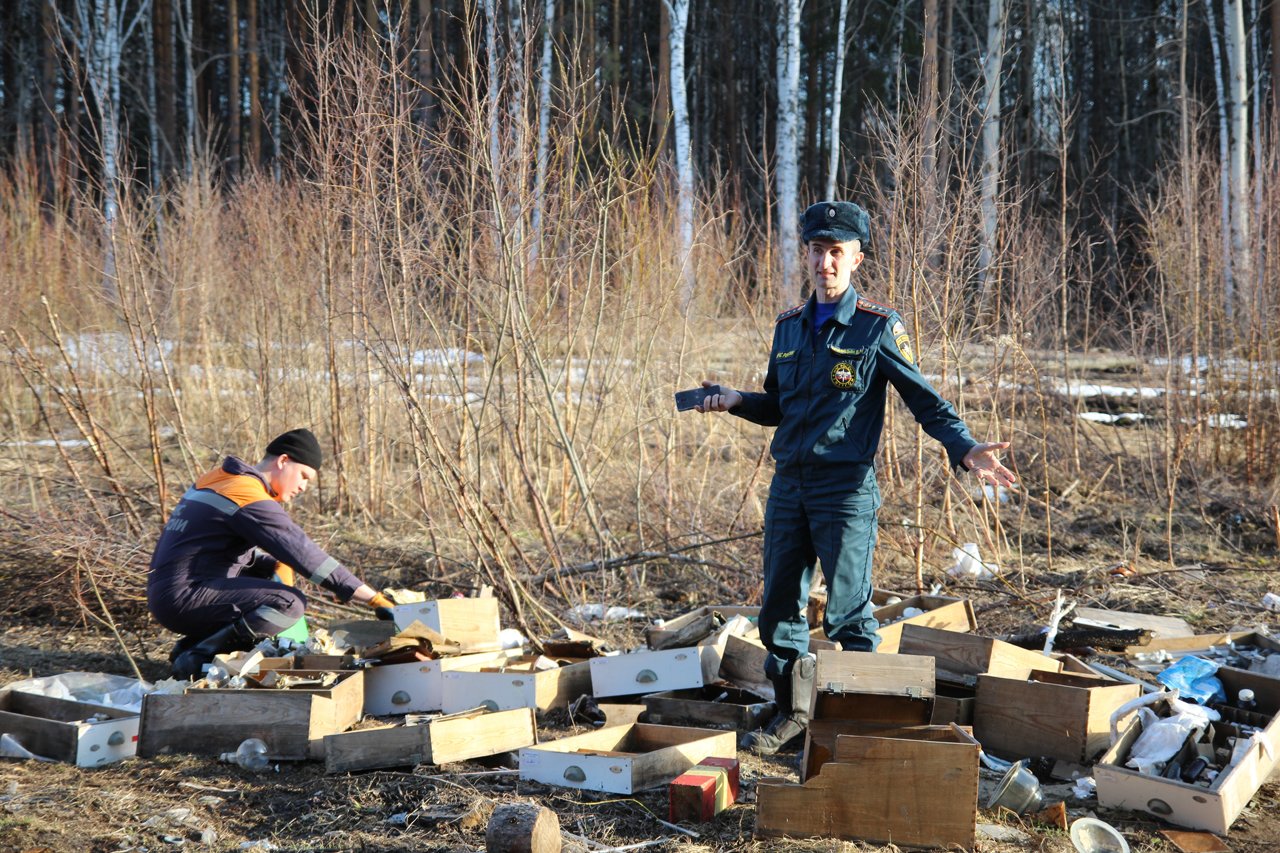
(476, 246)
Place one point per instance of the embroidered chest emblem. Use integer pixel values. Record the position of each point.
(842, 375)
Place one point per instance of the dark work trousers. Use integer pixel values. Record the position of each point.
(833, 521)
(198, 609)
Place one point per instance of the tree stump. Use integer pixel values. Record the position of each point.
(522, 828)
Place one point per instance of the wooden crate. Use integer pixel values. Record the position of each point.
(962, 657)
(871, 687)
(742, 663)
(418, 686)
(940, 611)
(691, 628)
(646, 672)
(1061, 716)
(953, 703)
(1213, 809)
(60, 728)
(623, 759)
(292, 722)
(472, 623)
(886, 790)
(715, 706)
(443, 740)
(514, 684)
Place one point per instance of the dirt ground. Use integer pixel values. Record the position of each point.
(183, 801)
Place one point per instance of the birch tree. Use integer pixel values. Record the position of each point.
(1224, 164)
(678, 13)
(97, 30)
(837, 89)
(544, 126)
(1238, 96)
(990, 175)
(787, 170)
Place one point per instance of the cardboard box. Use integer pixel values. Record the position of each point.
(1061, 716)
(887, 790)
(623, 759)
(646, 672)
(293, 722)
(442, 740)
(1212, 809)
(472, 623)
(962, 657)
(61, 729)
(514, 684)
(693, 627)
(715, 706)
(940, 611)
(418, 686)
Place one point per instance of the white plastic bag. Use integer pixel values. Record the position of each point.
(969, 565)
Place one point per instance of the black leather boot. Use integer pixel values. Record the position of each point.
(794, 693)
(236, 637)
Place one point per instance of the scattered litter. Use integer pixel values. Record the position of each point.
(1195, 842)
(260, 844)
(969, 564)
(1084, 788)
(11, 748)
(1090, 835)
(510, 638)
(1193, 677)
(1271, 602)
(1162, 737)
(600, 613)
(94, 688)
(997, 832)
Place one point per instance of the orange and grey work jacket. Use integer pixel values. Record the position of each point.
(221, 529)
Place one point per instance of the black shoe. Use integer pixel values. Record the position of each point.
(182, 645)
(236, 637)
(781, 731)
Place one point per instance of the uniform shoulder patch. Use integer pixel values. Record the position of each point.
(874, 307)
(790, 312)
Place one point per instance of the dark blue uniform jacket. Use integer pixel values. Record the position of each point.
(227, 524)
(826, 393)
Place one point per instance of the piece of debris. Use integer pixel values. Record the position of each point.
(1195, 842)
(522, 828)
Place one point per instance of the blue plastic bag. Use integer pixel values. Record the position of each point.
(1194, 679)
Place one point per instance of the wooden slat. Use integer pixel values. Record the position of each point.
(969, 654)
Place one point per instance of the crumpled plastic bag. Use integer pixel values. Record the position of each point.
(969, 564)
(95, 688)
(11, 748)
(1193, 677)
(1162, 737)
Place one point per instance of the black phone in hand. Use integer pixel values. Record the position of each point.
(690, 398)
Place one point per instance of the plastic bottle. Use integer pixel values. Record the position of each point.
(1245, 700)
(251, 755)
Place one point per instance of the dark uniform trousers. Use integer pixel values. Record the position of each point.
(823, 519)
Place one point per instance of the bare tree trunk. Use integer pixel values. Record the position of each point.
(662, 85)
(787, 168)
(186, 25)
(255, 83)
(491, 52)
(837, 91)
(1237, 61)
(990, 175)
(929, 96)
(1275, 59)
(166, 89)
(1224, 166)
(678, 12)
(425, 50)
(233, 88)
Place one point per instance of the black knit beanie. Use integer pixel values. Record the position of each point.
(300, 445)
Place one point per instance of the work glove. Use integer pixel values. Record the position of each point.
(382, 605)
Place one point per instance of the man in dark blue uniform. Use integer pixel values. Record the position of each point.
(832, 360)
(211, 573)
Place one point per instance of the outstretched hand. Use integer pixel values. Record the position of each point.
(985, 464)
(722, 402)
